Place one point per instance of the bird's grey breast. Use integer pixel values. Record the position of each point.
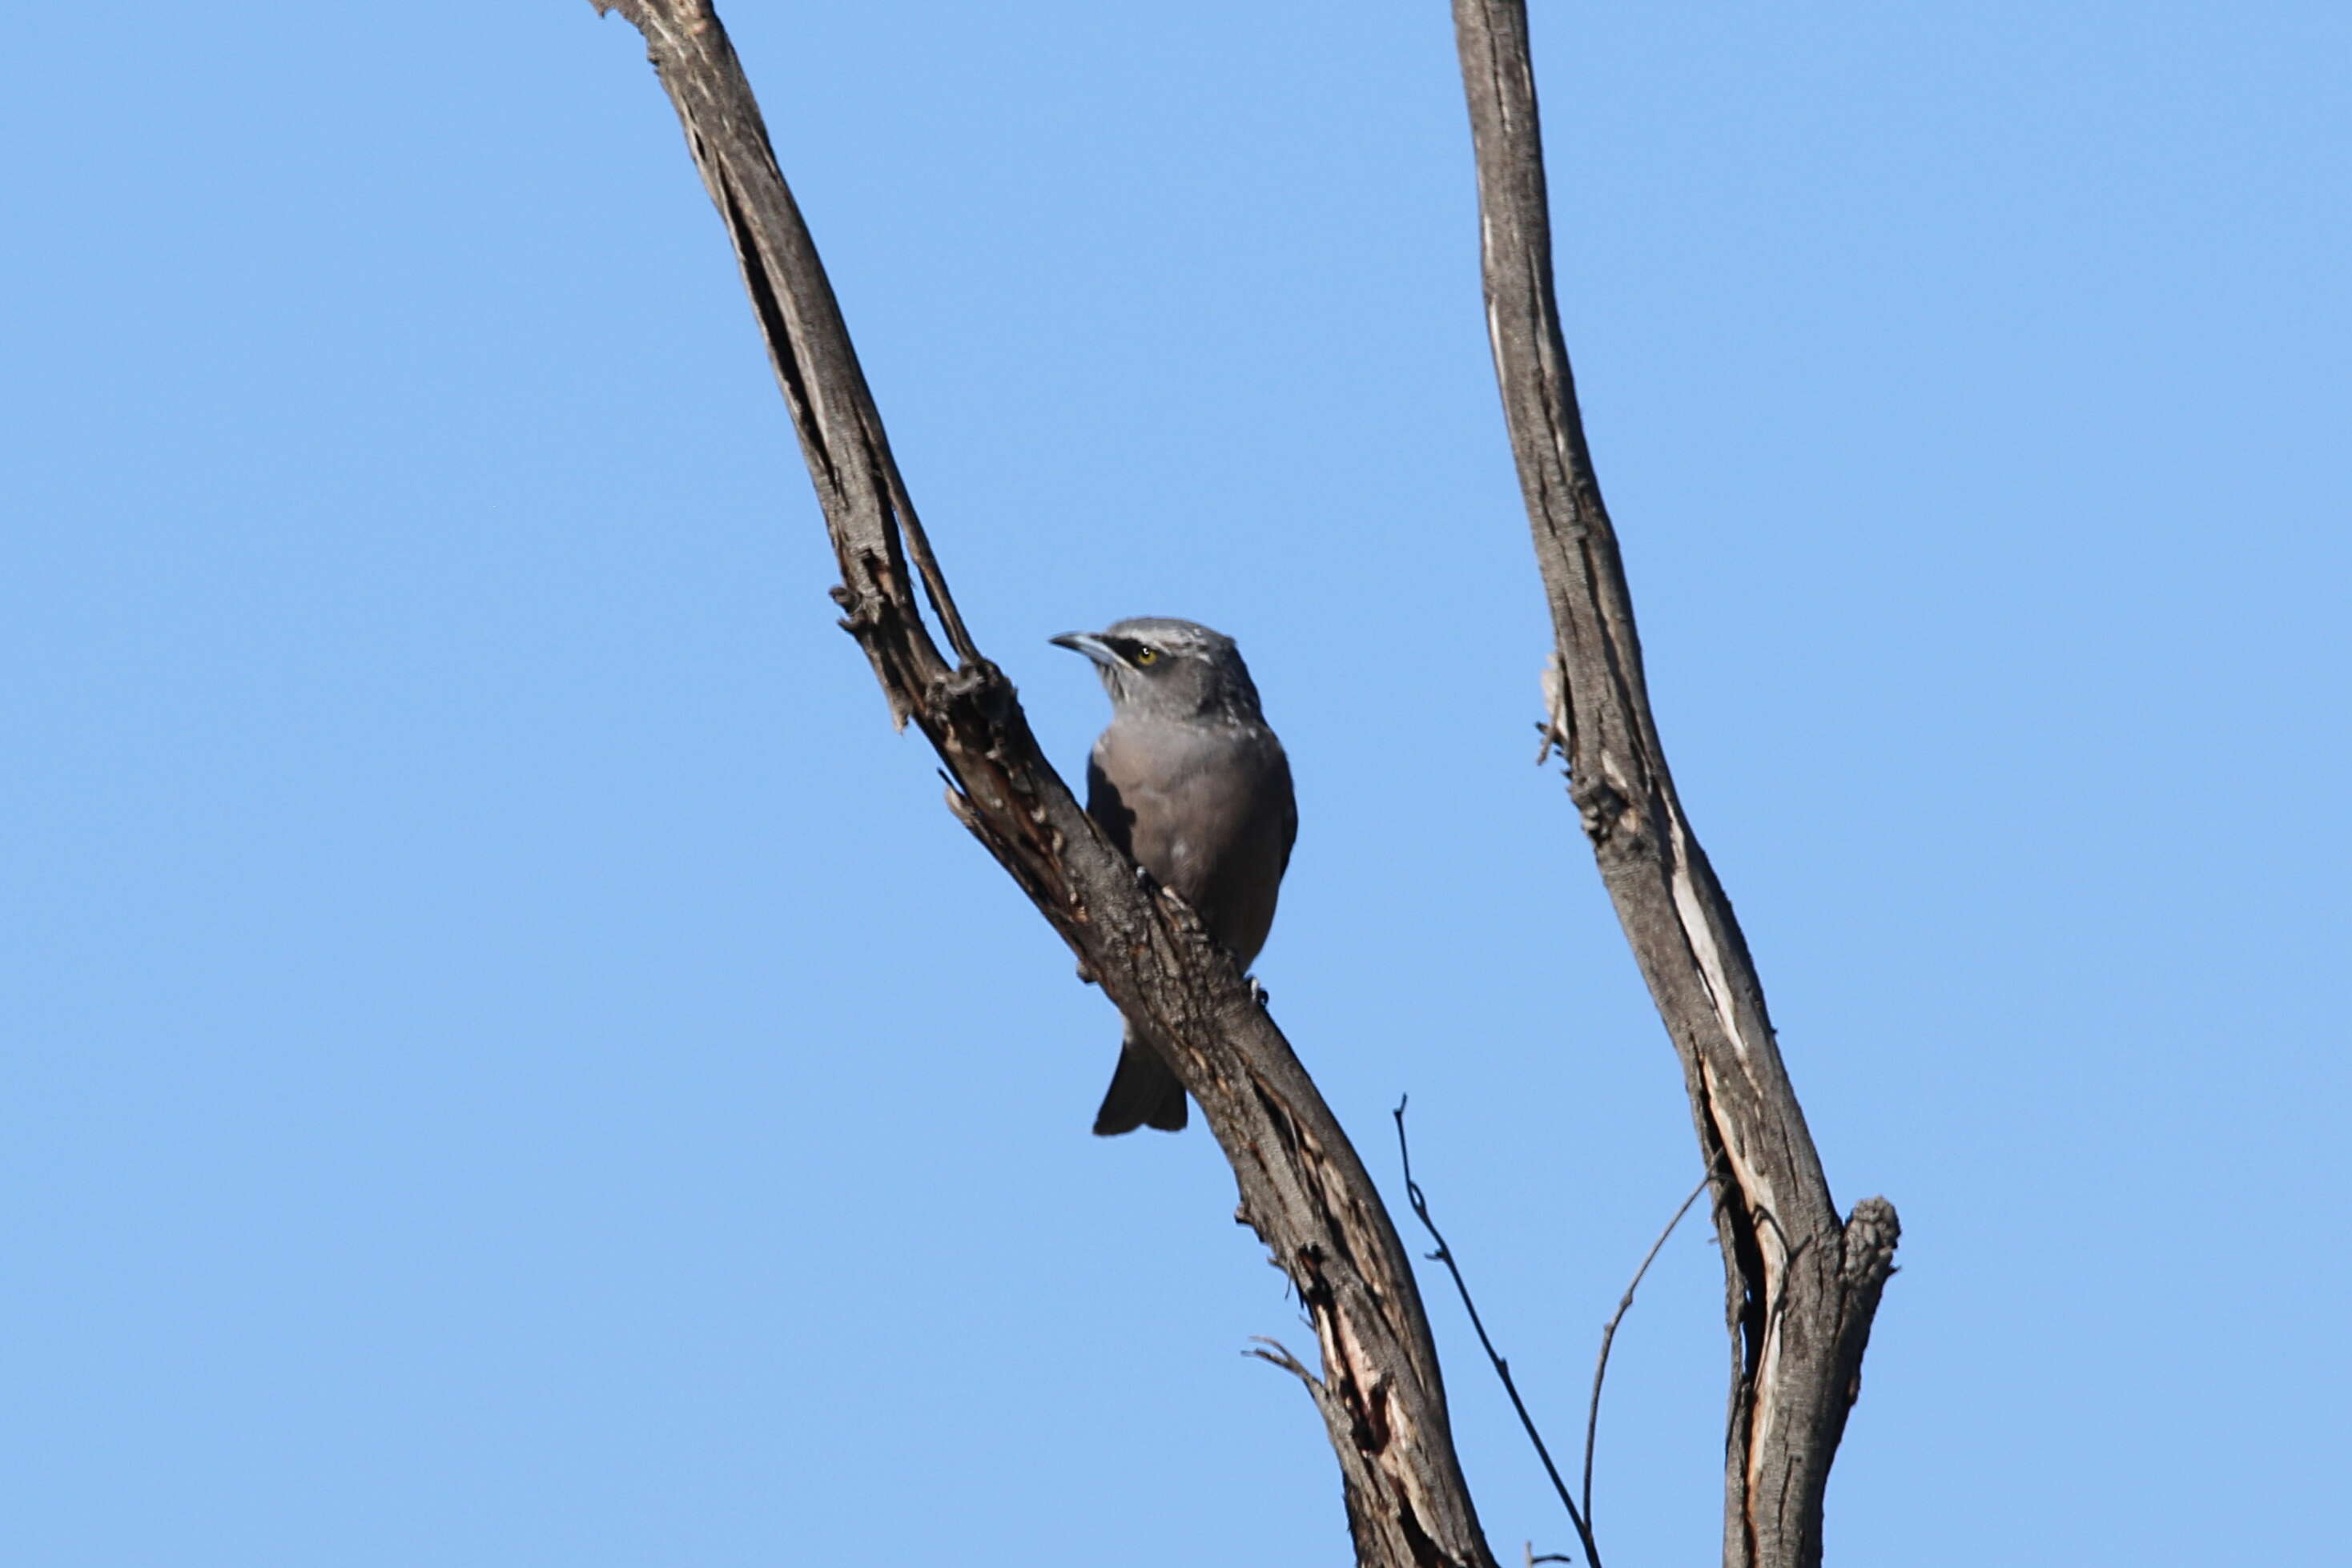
(1207, 808)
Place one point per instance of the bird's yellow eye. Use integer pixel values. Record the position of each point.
(1147, 656)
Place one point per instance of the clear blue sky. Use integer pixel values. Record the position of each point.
(507, 1062)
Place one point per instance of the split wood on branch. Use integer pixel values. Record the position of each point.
(1801, 1286)
(1303, 1189)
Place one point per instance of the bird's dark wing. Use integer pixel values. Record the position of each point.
(1108, 806)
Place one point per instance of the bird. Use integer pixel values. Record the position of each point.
(1190, 783)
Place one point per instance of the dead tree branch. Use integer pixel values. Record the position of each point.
(1303, 1189)
(1801, 1286)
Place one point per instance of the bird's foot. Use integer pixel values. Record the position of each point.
(1259, 993)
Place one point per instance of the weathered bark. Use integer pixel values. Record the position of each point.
(1801, 1286)
(1303, 1190)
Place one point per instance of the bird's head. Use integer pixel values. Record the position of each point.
(1154, 665)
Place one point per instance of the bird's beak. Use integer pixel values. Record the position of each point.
(1086, 643)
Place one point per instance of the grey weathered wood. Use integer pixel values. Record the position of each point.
(1801, 1286)
(1303, 1190)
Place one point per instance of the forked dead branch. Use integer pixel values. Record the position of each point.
(1303, 1189)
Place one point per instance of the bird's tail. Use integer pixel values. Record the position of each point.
(1143, 1093)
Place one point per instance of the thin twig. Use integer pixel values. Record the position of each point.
(1278, 1354)
(1502, 1367)
(1600, 1368)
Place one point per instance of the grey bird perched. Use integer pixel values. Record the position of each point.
(1190, 783)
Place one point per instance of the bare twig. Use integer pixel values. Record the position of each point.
(1502, 1365)
(1274, 1353)
(1609, 1337)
